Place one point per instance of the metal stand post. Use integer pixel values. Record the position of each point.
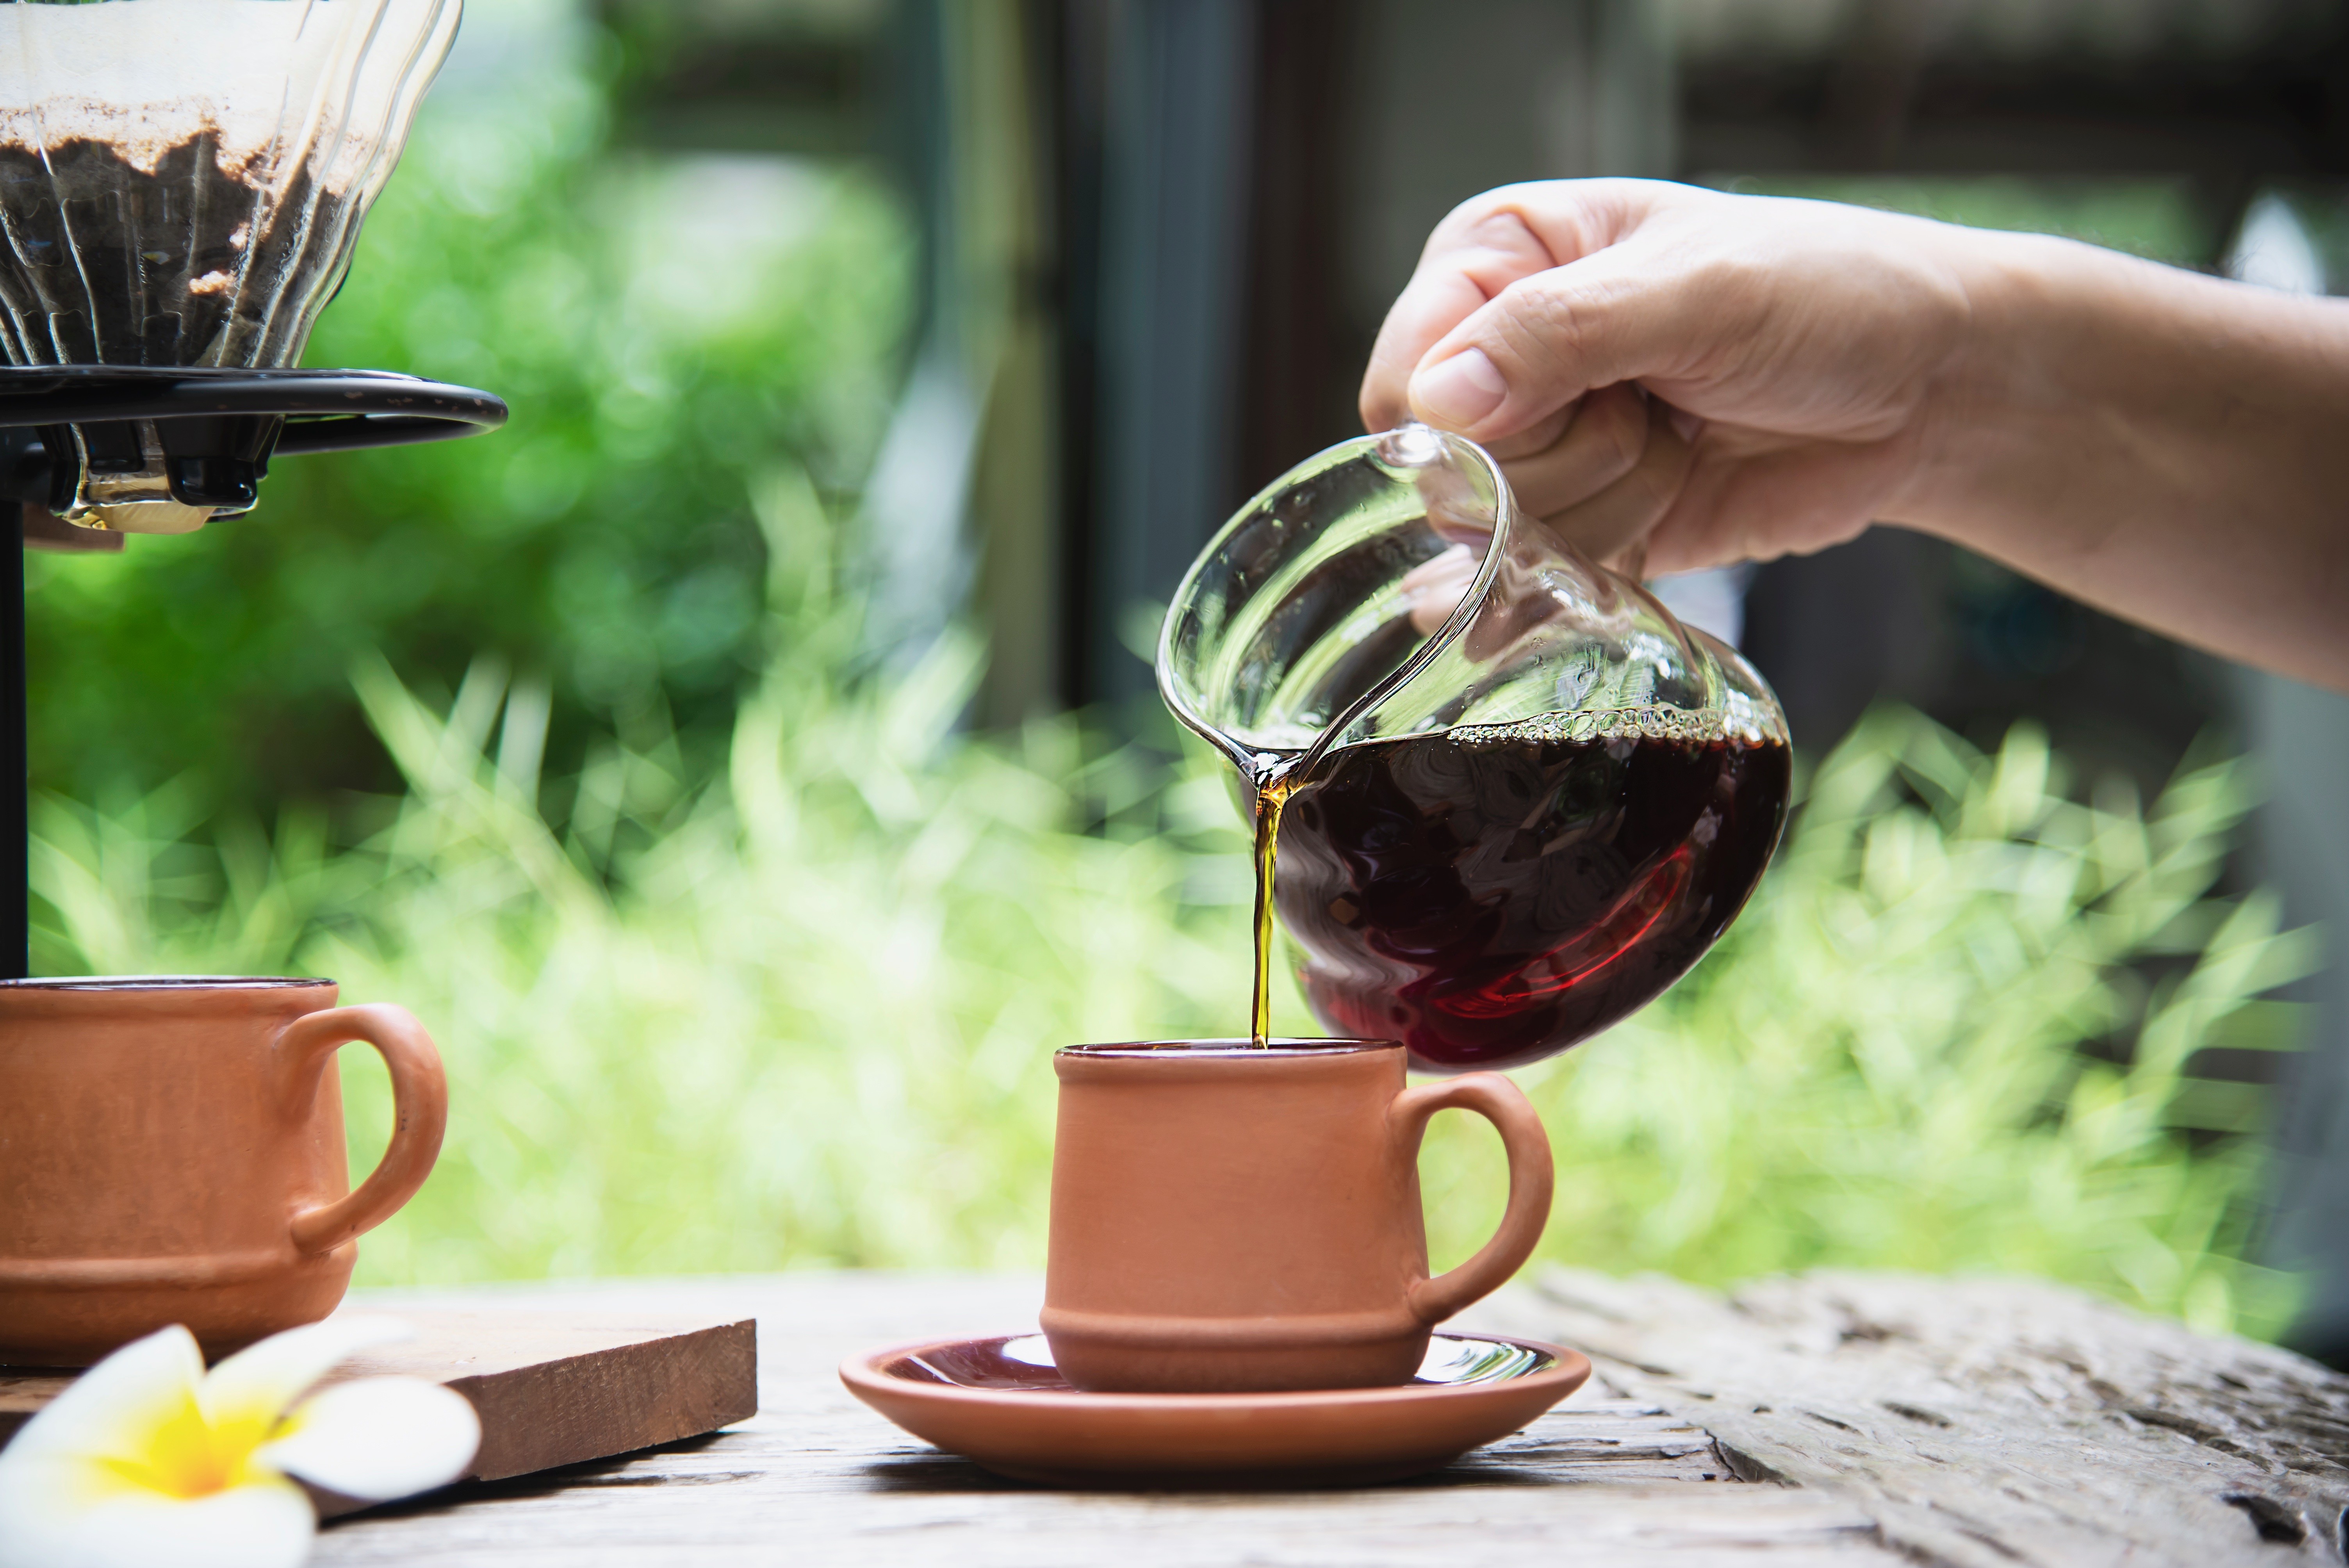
(16, 868)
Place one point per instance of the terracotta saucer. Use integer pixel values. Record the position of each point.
(1000, 1402)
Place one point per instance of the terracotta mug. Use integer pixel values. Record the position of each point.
(1228, 1217)
(171, 1151)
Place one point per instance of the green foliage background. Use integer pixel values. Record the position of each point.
(662, 330)
(804, 1020)
(744, 956)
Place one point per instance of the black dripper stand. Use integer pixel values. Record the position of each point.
(88, 450)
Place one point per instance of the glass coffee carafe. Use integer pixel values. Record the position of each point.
(1513, 797)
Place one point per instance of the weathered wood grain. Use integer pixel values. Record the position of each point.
(817, 1479)
(22, 1392)
(1979, 1424)
(1983, 1423)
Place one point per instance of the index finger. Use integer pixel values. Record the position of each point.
(1482, 247)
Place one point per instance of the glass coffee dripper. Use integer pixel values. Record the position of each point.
(181, 184)
(1514, 798)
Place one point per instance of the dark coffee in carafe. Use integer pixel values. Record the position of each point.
(1491, 896)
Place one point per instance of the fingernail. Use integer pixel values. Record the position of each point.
(1460, 391)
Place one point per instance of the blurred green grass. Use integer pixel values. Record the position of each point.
(802, 1015)
(664, 328)
(744, 955)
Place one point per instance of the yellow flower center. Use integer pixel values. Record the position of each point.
(185, 1456)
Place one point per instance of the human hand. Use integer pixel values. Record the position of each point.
(1674, 377)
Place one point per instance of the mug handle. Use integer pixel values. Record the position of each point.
(419, 1096)
(1531, 1179)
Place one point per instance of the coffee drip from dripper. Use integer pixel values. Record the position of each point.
(1517, 799)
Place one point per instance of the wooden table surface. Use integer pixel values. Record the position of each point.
(1837, 1420)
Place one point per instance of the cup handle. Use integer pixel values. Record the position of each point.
(419, 1096)
(1531, 1179)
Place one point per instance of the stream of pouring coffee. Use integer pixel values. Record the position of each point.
(1274, 788)
(1274, 785)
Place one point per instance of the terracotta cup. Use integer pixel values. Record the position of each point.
(171, 1151)
(1228, 1218)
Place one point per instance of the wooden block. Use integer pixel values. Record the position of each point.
(553, 1387)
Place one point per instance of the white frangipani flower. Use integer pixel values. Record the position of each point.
(147, 1460)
